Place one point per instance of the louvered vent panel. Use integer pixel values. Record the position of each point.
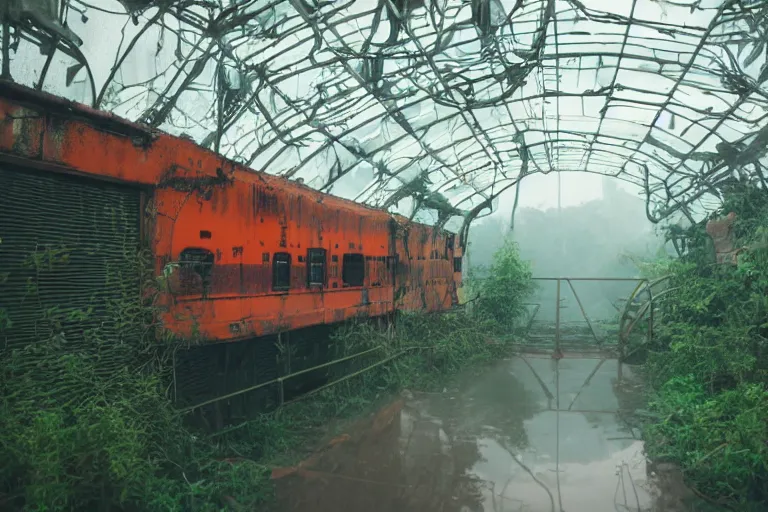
(68, 264)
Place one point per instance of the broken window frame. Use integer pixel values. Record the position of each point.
(281, 283)
(353, 270)
(317, 263)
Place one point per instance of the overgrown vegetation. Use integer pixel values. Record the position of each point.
(78, 435)
(501, 294)
(708, 365)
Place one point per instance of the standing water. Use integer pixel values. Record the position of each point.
(532, 433)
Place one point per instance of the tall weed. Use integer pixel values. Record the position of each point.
(76, 437)
(708, 362)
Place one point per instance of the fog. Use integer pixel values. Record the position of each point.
(600, 236)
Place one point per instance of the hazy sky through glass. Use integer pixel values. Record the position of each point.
(442, 107)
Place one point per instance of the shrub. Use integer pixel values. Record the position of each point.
(502, 294)
(708, 363)
(719, 440)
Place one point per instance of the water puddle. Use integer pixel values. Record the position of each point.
(531, 434)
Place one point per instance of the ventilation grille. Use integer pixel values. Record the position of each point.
(69, 257)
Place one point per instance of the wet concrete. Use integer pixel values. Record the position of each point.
(530, 434)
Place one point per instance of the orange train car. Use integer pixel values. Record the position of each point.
(246, 254)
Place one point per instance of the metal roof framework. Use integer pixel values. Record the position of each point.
(431, 108)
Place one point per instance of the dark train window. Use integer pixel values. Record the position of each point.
(457, 264)
(199, 261)
(281, 271)
(392, 262)
(353, 270)
(316, 264)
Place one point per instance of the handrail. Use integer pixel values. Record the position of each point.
(281, 380)
(569, 280)
(647, 307)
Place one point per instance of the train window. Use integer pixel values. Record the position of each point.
(281, 271)
(353, 270)
(316, 263)
(193, 260)
(392, 262)
(457, 264)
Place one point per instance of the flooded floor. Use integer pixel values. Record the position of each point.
(530, 434)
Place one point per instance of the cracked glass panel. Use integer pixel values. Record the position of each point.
(429, 108)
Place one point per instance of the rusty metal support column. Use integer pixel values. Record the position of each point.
(6, 43)
(557, 318)
(583, 311)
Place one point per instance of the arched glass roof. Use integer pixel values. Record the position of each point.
(431, 108)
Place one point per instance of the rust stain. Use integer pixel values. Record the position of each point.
(386, 417)
(309, 462)
(244, 215)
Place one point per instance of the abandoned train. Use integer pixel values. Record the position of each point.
(247, 255)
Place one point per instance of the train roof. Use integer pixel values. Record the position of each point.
(86, 141)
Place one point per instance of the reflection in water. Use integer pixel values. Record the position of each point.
(532, 434)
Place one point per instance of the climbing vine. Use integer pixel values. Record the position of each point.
(86, 419)
(709, 361)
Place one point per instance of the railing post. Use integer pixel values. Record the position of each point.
(583, 311)
(557, 318)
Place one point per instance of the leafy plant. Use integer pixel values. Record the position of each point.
(86, 423)
(709, 360)
(501, 295)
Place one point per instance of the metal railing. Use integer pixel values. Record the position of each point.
(626, 320)
(280, 381)
(558, 303)
(634, 311)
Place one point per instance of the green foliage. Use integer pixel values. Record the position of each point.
(652, 268)
(502, 294)
(708, 361)
(720, 439)
(426, 347)
(86, 423)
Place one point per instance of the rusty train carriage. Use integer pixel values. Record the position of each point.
(249, 254)
(258, 256)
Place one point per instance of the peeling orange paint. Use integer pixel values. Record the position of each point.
(221, 230)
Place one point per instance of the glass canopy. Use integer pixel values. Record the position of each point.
(431, 108)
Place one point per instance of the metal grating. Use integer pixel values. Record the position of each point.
(431, 109)
(68, 260)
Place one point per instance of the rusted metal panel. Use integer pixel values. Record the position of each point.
(426, 280)
(221, 225)
(721, 232)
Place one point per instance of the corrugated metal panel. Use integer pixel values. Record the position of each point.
(210, 371)
(68, 258)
